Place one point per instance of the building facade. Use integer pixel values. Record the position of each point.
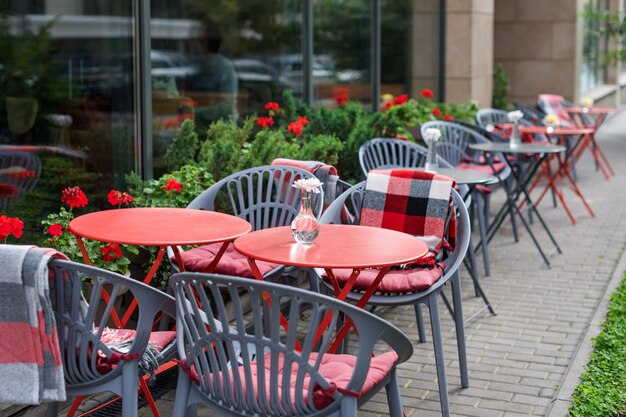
(98, 88)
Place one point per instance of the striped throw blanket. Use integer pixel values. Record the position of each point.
(31, 370)
(410, 201)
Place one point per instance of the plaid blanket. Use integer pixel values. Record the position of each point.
(327, 174)
(31, 370)
(410, 201)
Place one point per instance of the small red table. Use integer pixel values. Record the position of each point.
(160, 227)
(599, 114)
(564, 162)
(336, 247)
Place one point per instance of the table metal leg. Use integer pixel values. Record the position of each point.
(512, 197)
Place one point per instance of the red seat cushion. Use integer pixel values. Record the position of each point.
(498, 166)
(395, 281)
(337, 369)
(116, 338)
(158, 340)
(232, 262)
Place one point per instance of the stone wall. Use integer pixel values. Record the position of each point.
(535, 41)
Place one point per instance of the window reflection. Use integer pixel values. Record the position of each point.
(593, 71)
(66, 104)
(342, 50)
(219, 60)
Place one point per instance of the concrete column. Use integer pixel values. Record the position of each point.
(469, 50)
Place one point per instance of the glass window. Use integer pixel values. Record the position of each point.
(342, 50)
(220, 59)
(66, 104)
(593, 70)
(396, 47)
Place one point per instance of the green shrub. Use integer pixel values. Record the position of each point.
(602, 390)
(221, 151)
(500, 92)
(267, 145)
(325, 148)
(184, 147)
(193, 180)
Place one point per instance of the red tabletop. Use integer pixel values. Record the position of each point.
(159, 226)
(590, 110)
(337, 246)
(548, 130)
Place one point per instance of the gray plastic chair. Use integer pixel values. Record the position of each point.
(532, 114)
(19, 170)
(381, 153)
(353, 199)
(262, 195)
(77, 320)
(214, 339)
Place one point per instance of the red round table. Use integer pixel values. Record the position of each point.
(337, 246)
(600, 114)
(160, 227)
(584, 136)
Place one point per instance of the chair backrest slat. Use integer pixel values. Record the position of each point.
(262, 195)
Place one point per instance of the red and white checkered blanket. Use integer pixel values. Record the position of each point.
(410, 201)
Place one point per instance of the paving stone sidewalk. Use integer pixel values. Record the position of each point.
(519, 359)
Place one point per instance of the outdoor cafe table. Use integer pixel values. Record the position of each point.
(565, 162)
(599, 114)
(540, 153)
(336, 247)
(158, 227)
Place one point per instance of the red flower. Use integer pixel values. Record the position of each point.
(426, 93)
(172, 185)
(111, 252)
(295, 128)
(448, 117)
(8, 190)
(436, 112)
(117, 198)
(388, 105)
(342, 96)
(303, 120)
(10, 226)
(55, 230)
(401, 99)
(265, 121)
(271, 106)
(22, 175)
(74, 197)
